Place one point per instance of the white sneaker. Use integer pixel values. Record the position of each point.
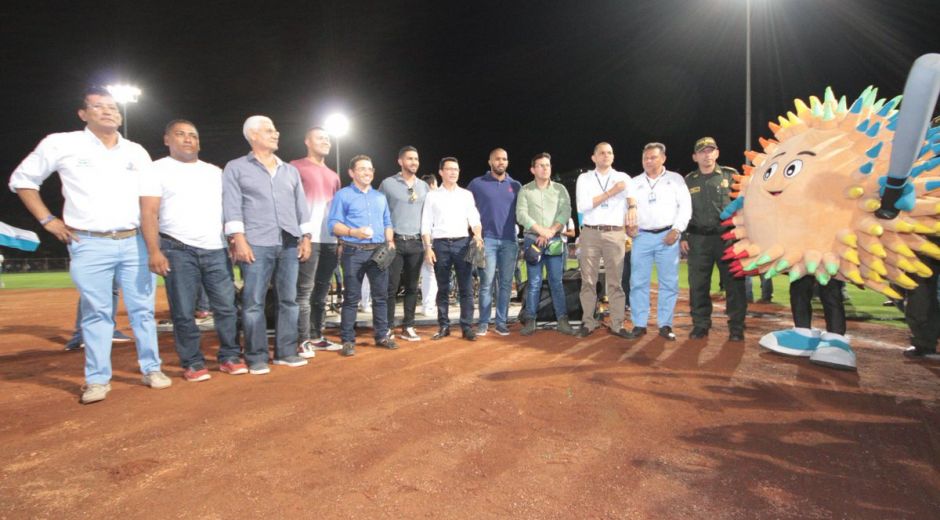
(325, 344)
(156, 380)
(307, 350)
(94, 392)
(409, 334)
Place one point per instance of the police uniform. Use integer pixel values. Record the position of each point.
(710, 194)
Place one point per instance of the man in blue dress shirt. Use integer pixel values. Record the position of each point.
(360, 219)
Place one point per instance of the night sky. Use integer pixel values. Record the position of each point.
(451, 78)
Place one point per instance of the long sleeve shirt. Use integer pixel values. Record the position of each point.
(261, 205)
(545, 207)
(100, 184)
(356, 208)
(611, 212)
(449, 213)
(661, 202)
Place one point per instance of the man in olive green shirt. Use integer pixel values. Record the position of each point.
(710, 188)
(543, 209)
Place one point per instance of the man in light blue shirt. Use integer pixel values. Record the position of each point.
(360, 219)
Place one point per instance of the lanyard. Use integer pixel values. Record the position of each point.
(598, 179)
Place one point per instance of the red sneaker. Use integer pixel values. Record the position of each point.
(195, 375)
(233, 367)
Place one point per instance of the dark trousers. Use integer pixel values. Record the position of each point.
(801, 303)
(625, 279)
(922, 312)
(705, 251)
(405, 270)
(357, 264)
(191, 269)
(313, 286)
(449, 254)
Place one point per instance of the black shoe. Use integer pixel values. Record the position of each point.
(666, 332)
(442, 333)
(916, 353)
(638, 331)
(625, 334)
(349, 348)
(698, 333)
(386, 342)
(736, 336)
(583, 332)
(765, 300)
(469, 335)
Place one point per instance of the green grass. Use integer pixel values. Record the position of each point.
(49, 280)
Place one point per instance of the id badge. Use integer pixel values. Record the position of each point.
(605, 205)
(652, 198)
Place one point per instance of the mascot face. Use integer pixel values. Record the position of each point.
(790, 202)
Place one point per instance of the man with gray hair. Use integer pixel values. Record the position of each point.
(267, 222)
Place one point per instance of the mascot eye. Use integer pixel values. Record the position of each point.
(769, 172)
(793, 169)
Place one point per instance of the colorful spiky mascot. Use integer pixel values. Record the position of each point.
(808, 206)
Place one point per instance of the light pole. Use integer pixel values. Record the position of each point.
(124, 94)
(747, 93)
(336, 125)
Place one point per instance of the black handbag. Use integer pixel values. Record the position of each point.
(474, 255)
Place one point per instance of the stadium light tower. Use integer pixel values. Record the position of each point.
(124, 94)
(337, 125)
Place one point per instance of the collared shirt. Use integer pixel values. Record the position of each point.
(261, 205)
(449, 213)
(612, 211)
(320, 186)
(496, 202)
(544, 207)
(191, 201)
(100, 184)
(405, 203)
(661, 202)
(356, 208)
(710, 192)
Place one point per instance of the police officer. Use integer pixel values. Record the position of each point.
(710, 188)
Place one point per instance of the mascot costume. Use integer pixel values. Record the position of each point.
(846, 192)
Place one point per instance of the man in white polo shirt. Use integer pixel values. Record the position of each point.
(664, 209)
(607, 206)
(100, 173)
(181, 219)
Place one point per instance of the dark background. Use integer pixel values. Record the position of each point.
(449, 78)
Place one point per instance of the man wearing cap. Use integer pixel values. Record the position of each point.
(543, 210)
(607, 206)
(710, 190)
(663, 210)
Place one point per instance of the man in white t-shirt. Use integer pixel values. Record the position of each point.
(181, 220)
(607, 207)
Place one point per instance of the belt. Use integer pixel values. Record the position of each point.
(452, 239)
(364, 247)
(407, 237)
(113, 235)
(695, 230)
(654, 231)
(604, 228)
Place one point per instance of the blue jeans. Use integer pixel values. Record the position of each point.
(357, 265)
(280, 263)
(554, 266)
(95, 264)
(77, 331)
(649, 249)
(501, 259)
(313, 286)
(766, 288)
(449, 254)
(195, 270)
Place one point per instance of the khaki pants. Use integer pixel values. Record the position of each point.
(609, 245)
